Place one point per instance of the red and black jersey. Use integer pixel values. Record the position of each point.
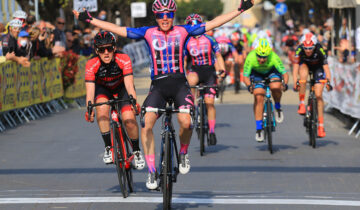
(318, 58)
(290, 41)
(110, 75)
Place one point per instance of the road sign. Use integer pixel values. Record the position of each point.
(89, 5)
(281, 8)
(138, 10)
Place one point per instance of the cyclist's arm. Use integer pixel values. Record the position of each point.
(296, 65)
(90, 92)
(107, 26)
(220, 62)
(222, 19)
(129, 85)
(248, 69)
(327, 72)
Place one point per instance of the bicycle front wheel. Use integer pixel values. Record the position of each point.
(129, 176)
(167, 173)
(313, 132)
(269, 125)
(202, 128)
(119, 160)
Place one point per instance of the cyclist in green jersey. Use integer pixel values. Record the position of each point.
(261, 63)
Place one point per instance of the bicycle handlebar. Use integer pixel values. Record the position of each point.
(111, 102)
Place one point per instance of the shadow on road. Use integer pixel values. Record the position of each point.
(276, 147)
(322, 143)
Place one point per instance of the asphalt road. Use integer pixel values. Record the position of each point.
(56, 163)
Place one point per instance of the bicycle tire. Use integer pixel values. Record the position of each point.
(129, 176)
(167, 174)
(314, 122)
(119, 161)
(202, 129)
(269, 125)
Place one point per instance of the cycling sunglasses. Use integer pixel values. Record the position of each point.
(309, 48)
(110, 49)
(169, 15)
(262, 57)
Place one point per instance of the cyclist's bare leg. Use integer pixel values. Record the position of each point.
(276, 91)
(193, 79)
(211, 111)
(131, 125)
(304, 72)
(147, 135)
(185, 131)
(102, 115)
(229, 66)
(320, 102)
(259, 94)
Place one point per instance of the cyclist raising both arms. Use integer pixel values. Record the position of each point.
(166, 44)
(202, 50)
(263, 63)
(310, 56)
(107, 75)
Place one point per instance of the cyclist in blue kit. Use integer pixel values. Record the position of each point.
(166, 44)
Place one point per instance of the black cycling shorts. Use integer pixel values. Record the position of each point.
(207, 76)
(317, 71)
(118, 92)
(172, 87)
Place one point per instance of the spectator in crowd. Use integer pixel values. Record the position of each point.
(10, 44)
(24, 47)
(69, 39)
(60, 38)
(343, 51)
(102, 15)
(344, 32)
(2, 29)
(20, 15)
(86, 47)
(30, 21)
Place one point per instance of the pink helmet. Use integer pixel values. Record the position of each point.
(164, 5)
(192, 17)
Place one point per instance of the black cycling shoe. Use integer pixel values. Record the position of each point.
(212, 139)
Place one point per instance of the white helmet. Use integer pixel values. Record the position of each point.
(20, 14)
(16, 23)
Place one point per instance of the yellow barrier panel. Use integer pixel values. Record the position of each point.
(77, 89)
(23, 79)
(8, 88)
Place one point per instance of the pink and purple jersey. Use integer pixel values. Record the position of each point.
(202, 50)
(166, 48)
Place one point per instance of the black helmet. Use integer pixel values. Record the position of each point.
(103, 38)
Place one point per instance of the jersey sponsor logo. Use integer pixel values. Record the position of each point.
(157, 46)
(322, 51)
(194, 52)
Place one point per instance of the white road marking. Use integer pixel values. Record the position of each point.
(313, 202)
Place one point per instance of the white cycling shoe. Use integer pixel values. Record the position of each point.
(108, 156)
(139, 162)
(184, 166)
(259, 136)
(151, 182)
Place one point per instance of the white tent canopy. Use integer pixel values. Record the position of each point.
(340, 4)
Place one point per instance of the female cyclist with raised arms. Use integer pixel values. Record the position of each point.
(166, 44)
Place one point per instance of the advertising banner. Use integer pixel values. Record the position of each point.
(7, 86)
(346, 94)
(77, 89)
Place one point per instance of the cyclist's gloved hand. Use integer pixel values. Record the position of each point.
(85, 16)
(89, 118)
(222, 73)
(138, 109)
(250, 89)
(245, 5)
(329, 87)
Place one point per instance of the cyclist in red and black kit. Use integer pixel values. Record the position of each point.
(310, 56)
(203, 51)
(166, 43)
(289, 43)
(110, 75)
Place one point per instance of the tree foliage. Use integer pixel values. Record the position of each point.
(207, 8)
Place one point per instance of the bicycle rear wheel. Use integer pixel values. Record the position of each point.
(202, 129)
(313, 133)
(269, 126)
(167, 173)
(119, 160)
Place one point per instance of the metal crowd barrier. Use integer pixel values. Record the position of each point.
(16, 117)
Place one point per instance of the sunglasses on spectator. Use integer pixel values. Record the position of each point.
(169, 15)
(108, 48)
(262, 57)
(61, 23)
(309, 48)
